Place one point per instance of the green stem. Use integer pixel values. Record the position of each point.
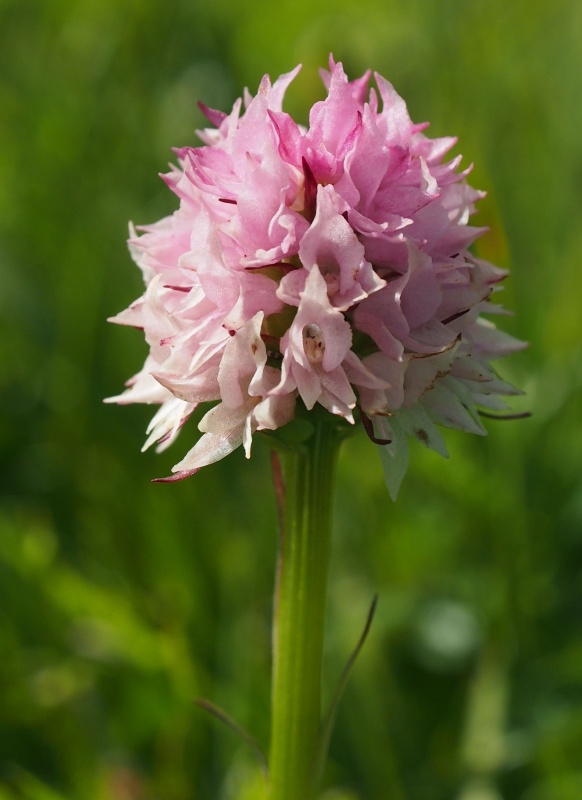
(299, 614)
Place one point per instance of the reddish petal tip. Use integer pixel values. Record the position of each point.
(178, 476)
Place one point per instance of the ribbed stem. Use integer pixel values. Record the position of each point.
(299, 614)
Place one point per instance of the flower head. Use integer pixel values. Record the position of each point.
(323, 265)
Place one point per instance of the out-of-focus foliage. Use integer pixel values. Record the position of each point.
(122, 601)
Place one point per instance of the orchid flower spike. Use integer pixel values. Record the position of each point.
(323, 266)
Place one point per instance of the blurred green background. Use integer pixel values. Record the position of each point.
(121, 600)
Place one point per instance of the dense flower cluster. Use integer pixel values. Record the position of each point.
(323, 265)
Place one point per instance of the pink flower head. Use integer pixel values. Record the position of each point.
(326, 265)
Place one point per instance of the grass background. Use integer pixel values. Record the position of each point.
(120, 600)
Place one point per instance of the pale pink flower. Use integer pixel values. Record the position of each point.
(322, 265)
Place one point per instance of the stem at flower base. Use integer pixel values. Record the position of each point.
(300, 602)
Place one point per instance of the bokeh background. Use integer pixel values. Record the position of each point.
(120, 600)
